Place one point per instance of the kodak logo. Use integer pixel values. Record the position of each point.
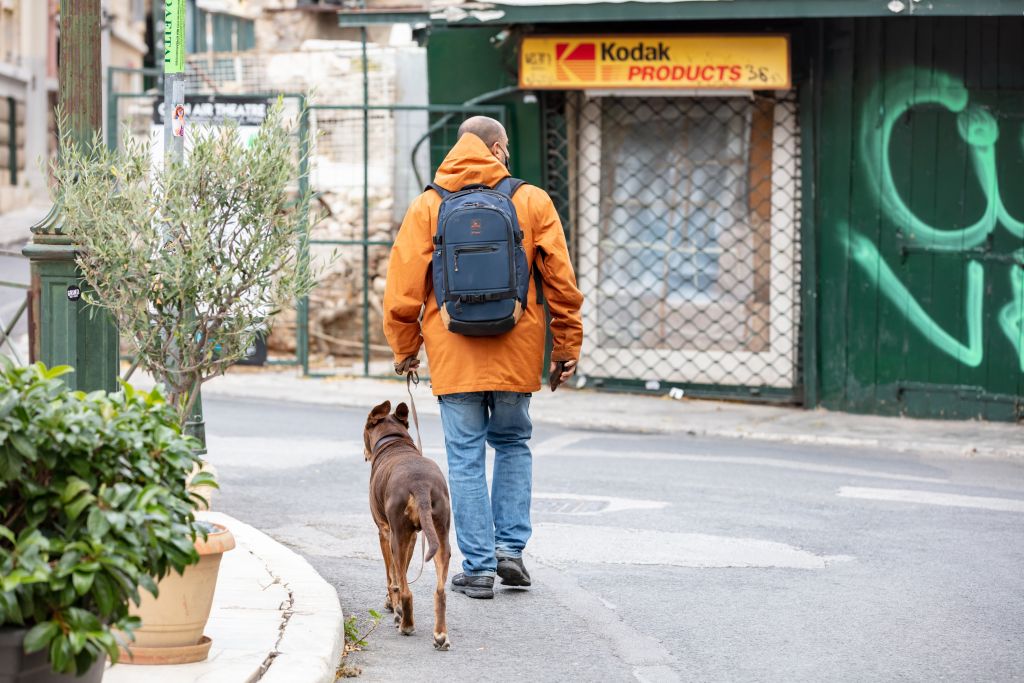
(640, 52)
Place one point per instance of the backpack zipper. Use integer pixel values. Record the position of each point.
(482, 249)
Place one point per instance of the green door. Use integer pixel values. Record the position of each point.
(921, 217)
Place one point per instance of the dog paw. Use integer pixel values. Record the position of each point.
(388, 607)
(441, 642)
(407, 630)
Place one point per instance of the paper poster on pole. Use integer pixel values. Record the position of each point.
(174, 36)
(203, 112)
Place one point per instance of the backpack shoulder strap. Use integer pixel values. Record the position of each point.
(438, 189)
(509, 185)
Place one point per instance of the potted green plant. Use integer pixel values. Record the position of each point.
(192, 260)
(94, 504)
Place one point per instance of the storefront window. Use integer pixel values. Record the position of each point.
(687, 223)
(673, 175)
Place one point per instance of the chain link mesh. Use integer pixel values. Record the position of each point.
(684, 214)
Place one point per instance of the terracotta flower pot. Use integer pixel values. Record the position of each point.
(172, 624)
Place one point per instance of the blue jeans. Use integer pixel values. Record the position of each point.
(499, 526)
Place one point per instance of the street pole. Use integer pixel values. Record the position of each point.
(174, 81)
(62, 328)
(174, 144)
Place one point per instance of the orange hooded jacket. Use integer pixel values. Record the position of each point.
(511, 361)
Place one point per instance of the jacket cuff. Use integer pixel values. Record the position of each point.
(560, 354)
(399, 357)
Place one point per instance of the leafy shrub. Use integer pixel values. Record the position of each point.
(93, 505)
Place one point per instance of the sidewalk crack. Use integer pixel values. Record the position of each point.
(287, 610)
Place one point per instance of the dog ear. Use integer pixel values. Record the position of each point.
(379, 413)
(402, 413)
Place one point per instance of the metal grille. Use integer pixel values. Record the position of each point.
(363, 205)
(684, 215)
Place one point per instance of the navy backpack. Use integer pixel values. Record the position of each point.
(481, 277)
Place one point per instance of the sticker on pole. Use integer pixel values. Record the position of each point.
(178, 122)
(74, 293)
(174, 36)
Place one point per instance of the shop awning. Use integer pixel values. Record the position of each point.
(581, 11)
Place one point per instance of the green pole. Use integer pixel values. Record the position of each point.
(366, 208)
(302, 326)
(63, 330)
(12, 139)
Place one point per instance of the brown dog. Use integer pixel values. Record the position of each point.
(408, 493)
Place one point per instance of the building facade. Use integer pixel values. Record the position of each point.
(809, 202)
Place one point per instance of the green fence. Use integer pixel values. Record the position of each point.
(364, 163)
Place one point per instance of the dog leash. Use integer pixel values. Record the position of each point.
(413, 378)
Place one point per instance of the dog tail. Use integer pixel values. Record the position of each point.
(425, 506)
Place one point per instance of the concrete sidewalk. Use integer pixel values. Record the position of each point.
(274, 619)
(591, 410)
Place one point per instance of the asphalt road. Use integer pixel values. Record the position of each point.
(660, 558)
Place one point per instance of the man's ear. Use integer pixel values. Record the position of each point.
(402, 413)
(379, 413)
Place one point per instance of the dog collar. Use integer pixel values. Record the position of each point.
(384, 441)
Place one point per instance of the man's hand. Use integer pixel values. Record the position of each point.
(408, 365)
(560, 372)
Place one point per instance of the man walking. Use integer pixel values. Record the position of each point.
(484, 383)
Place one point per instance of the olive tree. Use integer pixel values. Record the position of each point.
(191, 259)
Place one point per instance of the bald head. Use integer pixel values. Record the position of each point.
(491, 132)
(485, 128)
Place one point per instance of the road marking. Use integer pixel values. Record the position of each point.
(560, 442)
(611, 503)
(655, 674)
(238, 452)
(565, 544)
(934, 498)
(778, 463)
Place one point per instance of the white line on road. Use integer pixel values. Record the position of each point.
(566, 544)
(612, 503)
(778, 463)
(934, 498)
(562, 441)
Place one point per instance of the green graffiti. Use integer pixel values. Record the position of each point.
(865, 254)
(976, 127)
(1011, 318)
(979, 129)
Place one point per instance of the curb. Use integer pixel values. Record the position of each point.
(312, 631)
(273, 619)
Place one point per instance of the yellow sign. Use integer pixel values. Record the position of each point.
(667, 61)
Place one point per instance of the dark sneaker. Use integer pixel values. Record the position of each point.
(512, 572)
(474, 586)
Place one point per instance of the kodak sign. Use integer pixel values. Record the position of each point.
(661, 61)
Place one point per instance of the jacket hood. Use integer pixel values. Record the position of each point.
(469, 162)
